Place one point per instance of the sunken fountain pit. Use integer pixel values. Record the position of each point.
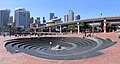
(59, 48)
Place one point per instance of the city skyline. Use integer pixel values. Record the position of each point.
(87, 9)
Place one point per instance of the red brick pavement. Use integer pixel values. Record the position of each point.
(111, 55)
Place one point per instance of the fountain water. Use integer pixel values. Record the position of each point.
(58, 47)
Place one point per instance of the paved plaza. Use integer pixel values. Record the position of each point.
(110, 55)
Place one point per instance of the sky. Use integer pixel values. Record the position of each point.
(86, 8)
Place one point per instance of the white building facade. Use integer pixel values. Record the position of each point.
(66, 18)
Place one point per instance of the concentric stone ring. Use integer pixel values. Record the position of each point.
(59, 48)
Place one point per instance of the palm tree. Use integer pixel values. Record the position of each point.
(71, 28)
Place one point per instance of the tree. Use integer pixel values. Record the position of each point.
(71, 28)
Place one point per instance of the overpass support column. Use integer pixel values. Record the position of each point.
(41, 30)
(104, 26)
(49, 29)
(93, 30)
(78, 24)
(60, 28)
(35, 30)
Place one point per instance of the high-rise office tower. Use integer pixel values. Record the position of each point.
(38, 20)
(66, 18)
(27, 18)
(31, 20)
(22, 18)
(77, 17)
(51, 16)
(44, 21)
(70, 15)
(35, 21)
(11, 19)
(4, 17)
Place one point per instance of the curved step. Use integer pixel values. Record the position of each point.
(21, 45)
(15, 44)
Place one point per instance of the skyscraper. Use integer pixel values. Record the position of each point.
(66, 18)
(44, 21)
(11, 19)
(4, 17)
(31, 20)
(22, 17)
(70, 15)
(38, 20)
(77, 17)
(51, 16)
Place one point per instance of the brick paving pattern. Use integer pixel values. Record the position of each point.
(111, 55)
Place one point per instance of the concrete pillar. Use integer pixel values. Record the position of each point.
(35, 30)
(60, 28)
(104, 25)
(49, 29)
(41, 30)
(78, 27)
(93, 29)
